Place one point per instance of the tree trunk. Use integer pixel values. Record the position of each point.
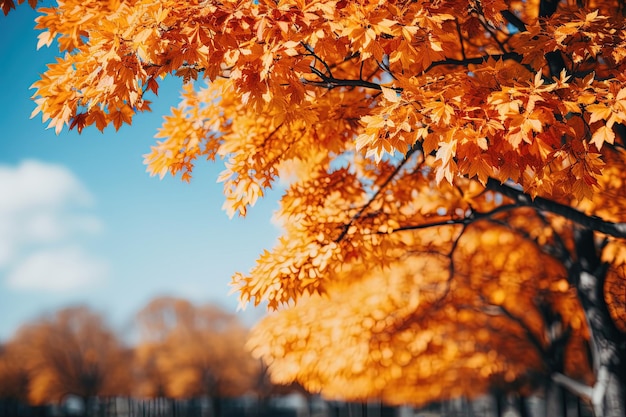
(553, 399)
(522, 406)
(499, 403)
(588, 273)
(216, 402)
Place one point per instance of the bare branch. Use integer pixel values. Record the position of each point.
(380, 189)
(476, 60)
(475, 216)
(514, 20)
(592, 222)
(314, 55)
(532, 338)
(330, 82)
(577, 388)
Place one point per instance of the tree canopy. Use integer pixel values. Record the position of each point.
(189, 351)
(426, 129)
(70, 353)
(431, 326)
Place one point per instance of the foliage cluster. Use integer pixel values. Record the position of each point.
(453, 166)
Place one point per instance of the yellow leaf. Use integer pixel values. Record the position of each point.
(446, 151)
(390, 94)
(482, 143)
(598, 112)
(603, 134)
(45, 39)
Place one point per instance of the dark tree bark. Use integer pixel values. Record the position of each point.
(608, 349)
(522, 406)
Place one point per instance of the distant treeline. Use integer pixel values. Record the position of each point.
(183, 351)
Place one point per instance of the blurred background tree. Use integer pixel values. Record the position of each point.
(194, 351)
(72, 353)
(14, 380)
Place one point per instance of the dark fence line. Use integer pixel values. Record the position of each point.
(157, 407)
(487, 406)
(202, 407)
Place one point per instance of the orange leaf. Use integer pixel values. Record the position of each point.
(601, 135)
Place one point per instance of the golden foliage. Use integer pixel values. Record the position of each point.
(429, 325)
(290, 79)
(403, 126)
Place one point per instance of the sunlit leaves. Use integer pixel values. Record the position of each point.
(389, 131)
(280, 59)
(386, 123)
(403, 345)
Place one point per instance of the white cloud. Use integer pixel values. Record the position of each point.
(34, 184)
(57, 269)
(45, 207)
(38, 226)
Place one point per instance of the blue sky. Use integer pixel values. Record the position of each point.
(82, 222)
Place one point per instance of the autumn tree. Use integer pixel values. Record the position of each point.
(387, 118)
(71, 353)
(449, 323)
(14, 380)
(189, 351)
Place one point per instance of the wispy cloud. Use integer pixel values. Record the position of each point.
(57, 269)
(44, 212)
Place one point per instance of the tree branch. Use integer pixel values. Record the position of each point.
(329, 81)
(475, 216)
(514, 20)
(575, 387)
(314, 55)
(591, 222)
(380, 189)
(476, 60)
(532, 338)
(599, 389)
